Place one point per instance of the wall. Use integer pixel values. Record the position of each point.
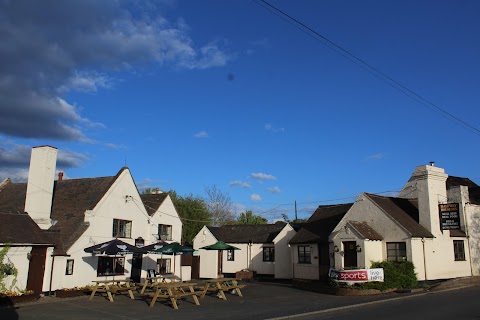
(241, 258)
(258, 265)
(18, 256)
(208, 259)
(283, 253)
(304, 270)
(473, 223)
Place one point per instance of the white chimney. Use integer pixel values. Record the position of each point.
(428, 185)
(41, 176)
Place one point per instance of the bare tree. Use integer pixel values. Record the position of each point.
(220, 206)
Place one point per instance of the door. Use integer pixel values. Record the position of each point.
(196, 267)
(36, 269)
(220, 262)
(350, 254)
(136, 267)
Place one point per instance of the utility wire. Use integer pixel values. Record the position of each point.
(367, 67)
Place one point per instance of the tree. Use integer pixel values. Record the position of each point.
(248, 217)
(150, 190)
(219, 205)
(193, 212)
(286, 219)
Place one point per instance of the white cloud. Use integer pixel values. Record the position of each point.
(274, 190)
(255, 197)
(376, 156)
(82, 45)
(262, 176)
(271, 128)
(201, 135)
(238, 183)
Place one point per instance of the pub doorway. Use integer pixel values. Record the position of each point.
(349, 254)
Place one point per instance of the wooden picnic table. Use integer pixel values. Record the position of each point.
(112, 287)
(222, 285)
(150, 282)
(175, 291)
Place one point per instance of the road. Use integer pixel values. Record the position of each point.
(455, 304)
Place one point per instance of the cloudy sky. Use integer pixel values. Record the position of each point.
(190, 94)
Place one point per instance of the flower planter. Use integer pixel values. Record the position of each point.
(70, 293)
(8, 301)
(244, 274)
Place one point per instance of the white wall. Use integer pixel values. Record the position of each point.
(473, 223)
(305, 270)
(208, 259)
(18, 256)
(241, 260)
(283, 253)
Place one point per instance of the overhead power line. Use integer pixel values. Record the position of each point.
(367, 67)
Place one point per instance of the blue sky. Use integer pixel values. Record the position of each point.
(191, 94)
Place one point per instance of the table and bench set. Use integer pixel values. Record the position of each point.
(169, 288)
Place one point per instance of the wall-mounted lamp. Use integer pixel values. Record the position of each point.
(29, 256)
(359, 249)
(336, 249)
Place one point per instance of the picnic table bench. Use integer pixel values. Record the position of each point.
(220, 286)
(112, 287)
(174, 291)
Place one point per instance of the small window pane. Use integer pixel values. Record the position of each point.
(69, 269)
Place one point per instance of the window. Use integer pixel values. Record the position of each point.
(69, 269)
(459, 250)
(164, 232)
(230, 255)
(163, 266)
(110, 266)
(122, 228)
(269, 254)
(396, 251)
(304, 254)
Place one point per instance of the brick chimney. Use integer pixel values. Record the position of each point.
(41, 176)
(60, 176)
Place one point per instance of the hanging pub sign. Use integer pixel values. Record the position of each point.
(449, 216)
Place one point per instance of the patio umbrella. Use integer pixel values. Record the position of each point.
(173, 248)
(154, 246)
(113, 247)
(220, 246)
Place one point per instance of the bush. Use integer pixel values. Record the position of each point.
(399, 275)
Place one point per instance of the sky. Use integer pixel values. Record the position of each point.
(191, 94)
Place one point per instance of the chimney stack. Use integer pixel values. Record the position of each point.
(60, 176)
(41, 176)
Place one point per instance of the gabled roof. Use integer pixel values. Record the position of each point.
(71, 198)
(18, 228)
(243, 233)
(153, 201)
(473, 188)
(365, 230)
(403, 211)
(321, 224)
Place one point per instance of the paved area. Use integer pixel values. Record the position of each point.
(260, 301)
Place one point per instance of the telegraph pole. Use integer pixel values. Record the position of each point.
(296, 218)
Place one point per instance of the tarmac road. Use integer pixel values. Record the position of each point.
(261, 301)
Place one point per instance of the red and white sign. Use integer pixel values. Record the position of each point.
(360, 275)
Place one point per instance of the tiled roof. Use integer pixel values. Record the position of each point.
(321, 224)
(365, 230)
(404, 211)
(21, 229)
(71, 198)
(153, 201)
(242, 233)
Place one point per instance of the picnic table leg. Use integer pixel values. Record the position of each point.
(144, 287)
(109, 293)
(172, 298)
(93, 292)
(154, 298)
(235, 283)
(130, 292)
(194, 296)
(220, 291)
